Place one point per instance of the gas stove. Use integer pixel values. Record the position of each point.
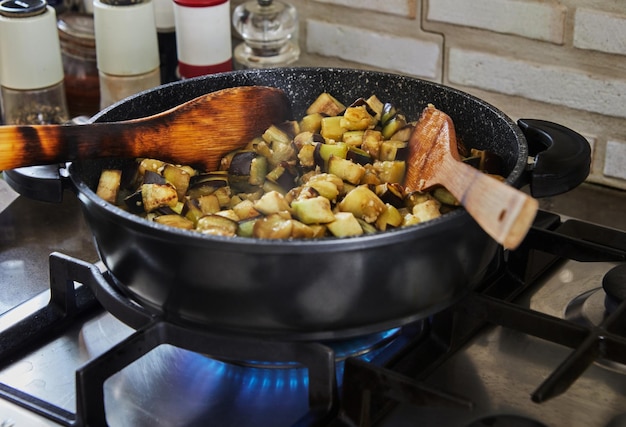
(540, 343)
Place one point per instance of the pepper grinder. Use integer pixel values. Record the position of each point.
(127, 49)
(31, 86)
(31, 70)
(269, 29)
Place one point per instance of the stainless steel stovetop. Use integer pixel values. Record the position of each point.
(500, 369)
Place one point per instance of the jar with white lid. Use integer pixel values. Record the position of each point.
(127, 48)
(31, 70)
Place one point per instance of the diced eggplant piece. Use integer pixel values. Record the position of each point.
(327, 151)
(393, 150)
(223, 195)
(311, 123)
(415, 198)
(301, 192)
(371, 142)
(109, 185)
(303, 138)
(489, 162)
(229, 213)
(363, 203)
(241, 163)
(390, 171)
(391, 193)
(445, 197)
(192, 211)
(354, 138)
(290, 127)
(275, 134)
(427, 210)
(300, 230)
(207, 183)
(175, 220)
(272, 202)
(272, 186)
(327, 185)
(357, 118)
(332, 128)
(245, 209)
(154, 196)
(393, 126)
(390, 217)
(152, 165)
(209, 204)
(370, 177)
(134, 203)
(359, 156)
(273, 226)
(388, 112)
(362, 102)
(367, 227)
(245, 227)
(325, 189)
(282, 176)
(151, 177)
(344, 225)
(375, 105)
(247, 169)
(326, 104)
(179, 177)
(473, 161)
(403, 134)
(165, 210)
(345, 169)
(315, 210)
(217, 225)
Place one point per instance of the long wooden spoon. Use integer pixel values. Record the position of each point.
(199, 132)
(504, 212)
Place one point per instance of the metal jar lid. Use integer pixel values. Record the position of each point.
(30, 55)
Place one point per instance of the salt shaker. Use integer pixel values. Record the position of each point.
(203, 37)
(127, 48)
(269, 29)
(31, 70)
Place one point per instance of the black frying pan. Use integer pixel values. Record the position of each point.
(327, 288)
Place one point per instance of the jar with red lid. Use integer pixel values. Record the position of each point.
(203, 39)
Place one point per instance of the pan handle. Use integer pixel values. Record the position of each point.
(562, 157)
(42, 183)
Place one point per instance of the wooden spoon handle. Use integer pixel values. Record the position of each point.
(504, 212)
(28, 145)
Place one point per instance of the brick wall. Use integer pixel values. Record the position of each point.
(563, 61)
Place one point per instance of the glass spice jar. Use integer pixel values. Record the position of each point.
(269, 29)
(78, 52)
(31, 72)
(127, 48)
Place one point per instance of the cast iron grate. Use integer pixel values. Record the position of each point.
(373, 390)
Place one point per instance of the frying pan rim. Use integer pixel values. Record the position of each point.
(159, 231)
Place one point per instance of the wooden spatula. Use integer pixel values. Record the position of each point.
(504, 212)
(199, 132)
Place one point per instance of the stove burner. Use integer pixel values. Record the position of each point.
(614, 284)
(506, 421)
